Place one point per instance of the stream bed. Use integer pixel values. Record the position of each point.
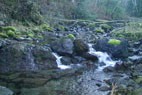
(90, 82)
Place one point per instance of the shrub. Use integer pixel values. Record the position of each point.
(114, 41)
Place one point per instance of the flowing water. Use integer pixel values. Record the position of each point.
(90, 82)
(59, 63)
(103, 57)
(86, 84)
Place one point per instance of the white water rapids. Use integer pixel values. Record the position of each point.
(103, 57)
(59, 63)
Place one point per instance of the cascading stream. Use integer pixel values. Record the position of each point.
(59, 63)
(103, 58)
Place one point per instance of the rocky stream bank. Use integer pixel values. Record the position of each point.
(81, 59)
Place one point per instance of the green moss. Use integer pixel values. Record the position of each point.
(18, 35)
(36, 30)
(92, 25)
(105, 26)
(7, 28)
(114, 41)
(39, 36)
(71, 36)
(46, 27)
(8, 2)
(31, 35)
(61, 27)
(3, 35)
(10, 33)
(29, 31)
(99, 30)
(139, 79)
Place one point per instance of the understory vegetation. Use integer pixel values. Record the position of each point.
(132, 31)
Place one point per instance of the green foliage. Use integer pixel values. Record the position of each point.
(3, 35)
(99, 30)
(71, 36)
(132, 31)
(134, 8)
(7, 28)
(46, 27)
(10, 33)
(114, 41)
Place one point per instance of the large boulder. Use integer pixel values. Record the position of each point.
(44, 58)
(116, 50)
(17, 57)
(63, 46)
(80, 47)
(25, 57)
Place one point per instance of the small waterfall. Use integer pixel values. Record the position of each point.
(103, 58)
(59, 63)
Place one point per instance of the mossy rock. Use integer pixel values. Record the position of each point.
(7, 28)
(3, 35)
(61, 27)
(139, 79)
(114, 41)
(10, 33)
(31, 35)
(98, 30)
(36, 30)
(39, 36)
(92, 25)
(46, 27)
(105, 26)
(71, 36)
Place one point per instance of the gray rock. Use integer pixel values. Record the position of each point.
(118, 51)
(23, 39)
(26, 57)
(17, 57)
(80, 46)
(5, 91)
(44, 58)
(109, 69)
(66, 60)
(63, 46)
(104, 88)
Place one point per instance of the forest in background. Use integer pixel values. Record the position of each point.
(35, 10)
